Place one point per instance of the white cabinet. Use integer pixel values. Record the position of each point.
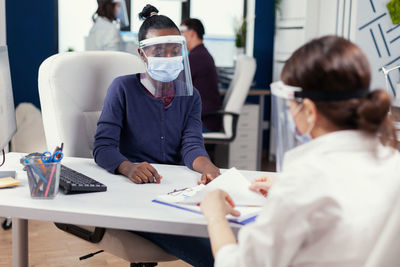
(299, 21)
(242, 152)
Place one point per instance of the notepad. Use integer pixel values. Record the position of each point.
(8, 182)
(232, 181)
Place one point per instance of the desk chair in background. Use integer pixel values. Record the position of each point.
(72, 89)
(233, 101)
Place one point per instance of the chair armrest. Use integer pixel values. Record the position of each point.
(93, 237)
(219, 113)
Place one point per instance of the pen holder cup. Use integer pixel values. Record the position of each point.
(43, 178)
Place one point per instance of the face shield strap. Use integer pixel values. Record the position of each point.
(331, 96)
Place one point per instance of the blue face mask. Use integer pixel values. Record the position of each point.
(164, 69)
(293, 128)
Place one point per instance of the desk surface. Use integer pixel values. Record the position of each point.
(124, 205)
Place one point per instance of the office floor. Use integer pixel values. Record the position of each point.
(50, 247)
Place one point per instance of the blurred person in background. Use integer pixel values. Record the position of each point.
(105, 32)
(203, 71)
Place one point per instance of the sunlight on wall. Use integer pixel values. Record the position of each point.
(74, 23)
(171, 9)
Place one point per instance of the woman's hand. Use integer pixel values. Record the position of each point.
(262, 184)
(217, 204)
(209, 174)
(207, 169)
(139, 173)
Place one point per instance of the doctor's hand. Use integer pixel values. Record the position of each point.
(139, 173)
(217, 204)
(262, 184)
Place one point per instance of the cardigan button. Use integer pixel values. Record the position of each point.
(162, 137)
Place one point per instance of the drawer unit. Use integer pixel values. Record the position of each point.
(238, 147)
(293, 9)
(289, 39)
(242, 153)
(243, 164)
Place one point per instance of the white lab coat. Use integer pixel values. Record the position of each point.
(326, 208)
(105, 35)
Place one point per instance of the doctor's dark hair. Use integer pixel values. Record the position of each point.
(105, 9)
(196, 25)
(333, 64)
(157, 22)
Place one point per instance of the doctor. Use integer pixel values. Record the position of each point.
(328, 206)
(105, 32)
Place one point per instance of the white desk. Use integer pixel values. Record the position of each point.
(124, 205)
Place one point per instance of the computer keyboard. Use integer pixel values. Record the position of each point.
(72, 182)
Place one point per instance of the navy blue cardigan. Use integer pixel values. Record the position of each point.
(135, 126)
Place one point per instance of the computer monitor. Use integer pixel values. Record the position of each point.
(8, 125)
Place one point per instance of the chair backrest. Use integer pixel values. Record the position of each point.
(238, 89)
(386, 251)
(73, 85)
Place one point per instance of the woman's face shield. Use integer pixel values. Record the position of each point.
(285, 106)
(167, 65)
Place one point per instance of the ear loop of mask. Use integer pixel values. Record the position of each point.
(303, 138)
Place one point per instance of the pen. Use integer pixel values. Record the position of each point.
(38, 188)
(42, 166)
(36, 170)
(51, 178)
(53, 169)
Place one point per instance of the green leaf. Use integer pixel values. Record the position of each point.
(394, 11)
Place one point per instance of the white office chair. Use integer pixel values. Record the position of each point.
(233, 101)
(386, 251)
(71, 86)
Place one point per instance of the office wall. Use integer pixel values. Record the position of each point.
(31, 38)
(2, 22)
(74, 23)
(263, 52)
(264, 42)
(379, 38)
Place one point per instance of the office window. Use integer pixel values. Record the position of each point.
(171, 9)
(74, 23)
(220, 18)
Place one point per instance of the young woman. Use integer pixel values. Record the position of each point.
(329, 204)
(105, 32)
(153, 117)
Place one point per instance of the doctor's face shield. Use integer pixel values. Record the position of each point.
(285, 106)
(287, 103)
(167, 64)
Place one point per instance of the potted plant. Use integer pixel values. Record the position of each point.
(240, 34)
(277, 5)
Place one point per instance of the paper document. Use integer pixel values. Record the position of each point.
(247, 202)
(8, 182)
